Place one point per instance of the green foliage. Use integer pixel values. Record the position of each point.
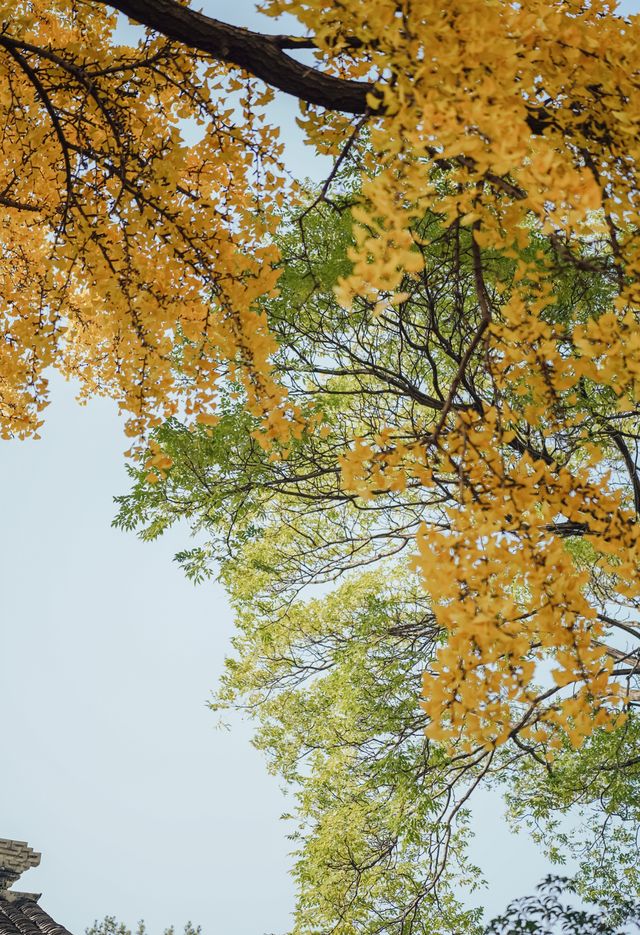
(588, 807)
(334, 630)
(550, 913)
(110, 926)
(334, 683)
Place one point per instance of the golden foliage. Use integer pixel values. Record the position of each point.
(126, 251)
(533, 109)
(134, 262)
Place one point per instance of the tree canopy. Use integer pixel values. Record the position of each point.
(544, 913)
(335, 627)
(427, 368)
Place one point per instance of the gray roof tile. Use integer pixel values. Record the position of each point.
(20, 913)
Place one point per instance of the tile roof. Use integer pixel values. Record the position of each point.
(20, 913)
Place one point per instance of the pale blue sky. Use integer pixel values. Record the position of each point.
(112, 765)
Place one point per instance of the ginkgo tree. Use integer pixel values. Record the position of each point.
(140, 264)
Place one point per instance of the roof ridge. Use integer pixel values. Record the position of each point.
(15, 858)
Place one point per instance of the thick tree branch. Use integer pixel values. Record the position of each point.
(263, 56)
(260, 55)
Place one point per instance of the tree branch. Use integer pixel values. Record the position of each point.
(256, 53)
(631, 466)
(263, 56)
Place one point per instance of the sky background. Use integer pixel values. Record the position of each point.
(112, 765)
